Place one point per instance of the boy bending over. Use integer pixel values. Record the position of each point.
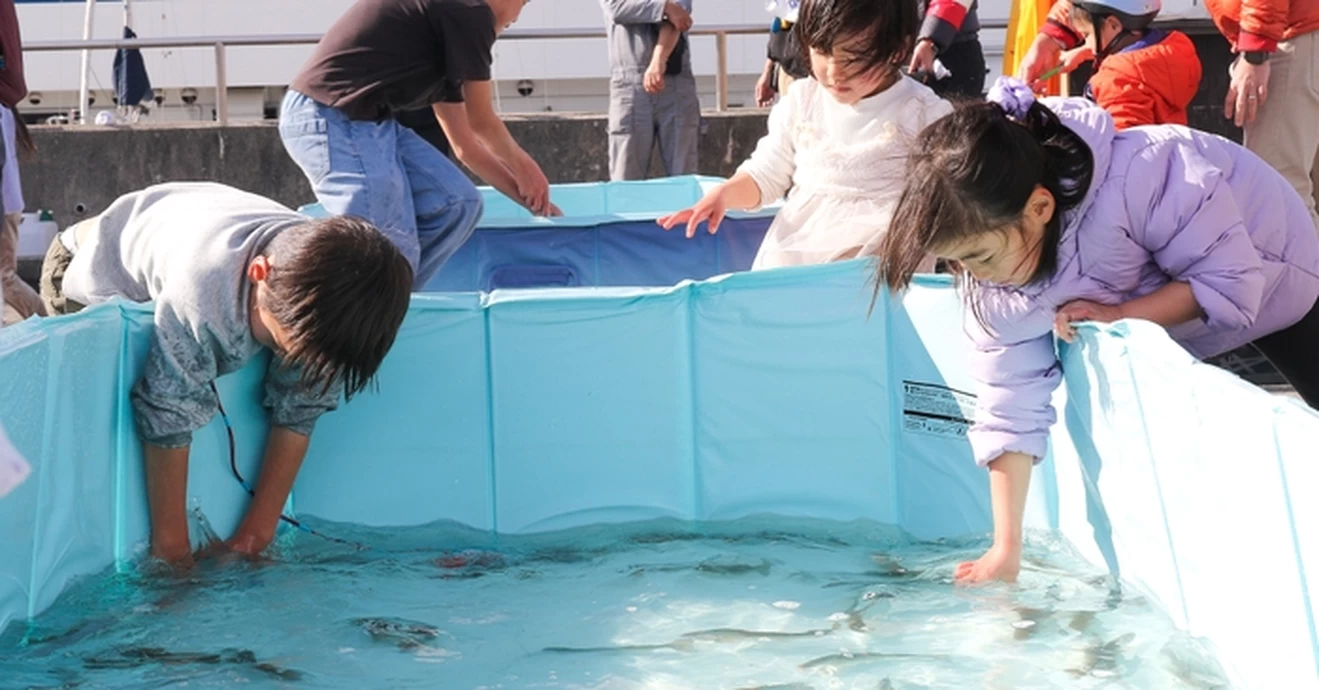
(231, 273)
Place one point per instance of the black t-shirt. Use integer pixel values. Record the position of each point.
(384, 56)
(787, 51)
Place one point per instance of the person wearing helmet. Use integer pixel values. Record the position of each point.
(1143, 75)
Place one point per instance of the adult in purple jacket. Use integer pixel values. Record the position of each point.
(1056, 217)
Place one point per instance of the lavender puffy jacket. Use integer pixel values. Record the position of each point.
(1167, 203)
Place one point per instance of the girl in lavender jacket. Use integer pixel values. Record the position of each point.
(1055, 217)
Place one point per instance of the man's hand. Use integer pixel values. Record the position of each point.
(1042, 57)
(1247, 92)
(679, 17)
(765, 92)
(654, 79)
(533, 186)
(922, 59)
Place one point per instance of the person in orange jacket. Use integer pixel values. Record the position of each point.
(1274, 92)
(1143, 76)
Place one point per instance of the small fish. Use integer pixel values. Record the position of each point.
(714, 566)
(736, 634)
(135, 657)
(885, 684)
(1102, 659)
(404, 633)
(680, 645)
(847, 658)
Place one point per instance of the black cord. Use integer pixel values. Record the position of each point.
(233, 467)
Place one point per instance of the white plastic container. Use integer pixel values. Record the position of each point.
(35, 236)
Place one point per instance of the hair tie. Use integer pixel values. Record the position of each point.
(1014, 96)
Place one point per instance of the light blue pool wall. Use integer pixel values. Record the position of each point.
(775, 391)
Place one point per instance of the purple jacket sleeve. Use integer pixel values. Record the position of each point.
(1017, 370)
(1183, 212)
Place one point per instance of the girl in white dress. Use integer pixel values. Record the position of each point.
(837, 142)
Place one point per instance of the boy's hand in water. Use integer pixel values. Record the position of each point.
(998, 563)
(1083, 310)
(711, 208)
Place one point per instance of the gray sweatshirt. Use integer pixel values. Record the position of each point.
(633, 32)
(186, 247)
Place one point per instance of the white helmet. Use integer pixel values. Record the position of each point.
(1134, 14)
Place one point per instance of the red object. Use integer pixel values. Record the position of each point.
(1149, 86)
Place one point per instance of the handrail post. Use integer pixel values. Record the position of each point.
(221, 85)
(721, 71)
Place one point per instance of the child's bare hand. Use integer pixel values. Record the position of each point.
(654, 79)
(1083, 310)
(711, 209)
(998, 563)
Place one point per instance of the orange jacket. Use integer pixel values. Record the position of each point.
(1250, 25)
(1148, 84)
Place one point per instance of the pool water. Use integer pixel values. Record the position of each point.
(754, 603)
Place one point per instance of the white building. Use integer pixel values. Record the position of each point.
(562, 75)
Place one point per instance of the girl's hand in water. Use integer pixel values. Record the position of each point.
(1083, 310)
(711, 208)
(999, 563)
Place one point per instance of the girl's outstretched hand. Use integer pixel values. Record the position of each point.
(1083, 310)
(998, 563)
(711, 209)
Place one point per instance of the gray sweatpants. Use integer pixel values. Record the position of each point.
(637, 120)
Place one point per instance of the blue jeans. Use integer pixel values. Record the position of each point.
(387, 174)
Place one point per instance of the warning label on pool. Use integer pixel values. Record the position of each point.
(936, 409)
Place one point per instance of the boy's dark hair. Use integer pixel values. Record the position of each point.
(887, 28)
(973, 171)
(340, 289)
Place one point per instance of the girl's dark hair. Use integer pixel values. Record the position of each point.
(887, 29)
(26, 146)
(973, 171)
(340, 289)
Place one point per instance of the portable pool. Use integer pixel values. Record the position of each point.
(736, 482)
(607, 237)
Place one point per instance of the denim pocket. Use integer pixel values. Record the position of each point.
(307, 141)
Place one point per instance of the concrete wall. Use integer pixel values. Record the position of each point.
(78, 171)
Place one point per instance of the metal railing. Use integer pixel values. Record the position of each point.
(221, 44)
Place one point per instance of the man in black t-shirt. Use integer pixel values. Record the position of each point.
(338, 122)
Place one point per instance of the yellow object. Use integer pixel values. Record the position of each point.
(1024, 23)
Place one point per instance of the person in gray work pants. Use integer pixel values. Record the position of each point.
(638, 119)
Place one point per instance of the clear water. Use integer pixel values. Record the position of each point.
(785, 604)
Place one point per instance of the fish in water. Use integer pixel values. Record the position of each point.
(714, 566)
(847, 658)
(782, 686)
(1101, 660)
(135, 657)
(688, 641)
(404, 633)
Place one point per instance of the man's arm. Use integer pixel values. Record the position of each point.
(533, 186)
(646, 12)
(472, 152)
(285, 450)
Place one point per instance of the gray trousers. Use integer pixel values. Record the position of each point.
(638, 120)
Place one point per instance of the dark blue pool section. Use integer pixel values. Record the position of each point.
(607, 237)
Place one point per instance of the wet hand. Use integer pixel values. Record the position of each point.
(999, 563)
(654, 81)
(1247, 92)
(710, 209)
(1083, 310)
(245, 545)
